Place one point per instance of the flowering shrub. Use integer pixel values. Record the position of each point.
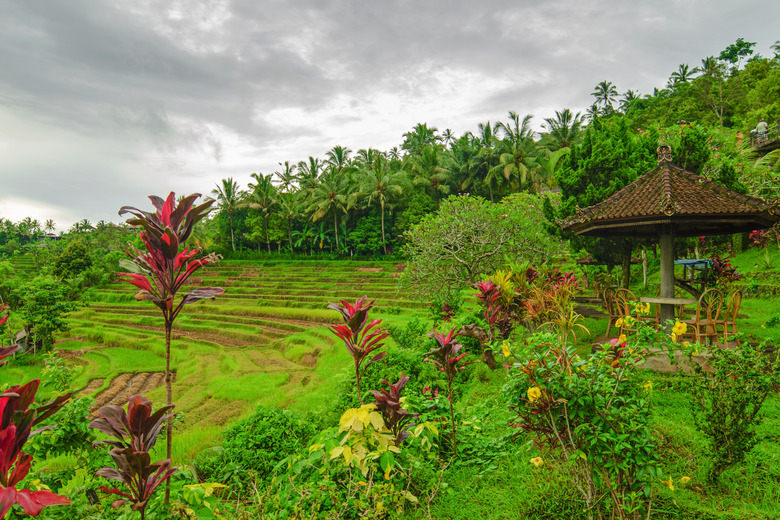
(590, 416)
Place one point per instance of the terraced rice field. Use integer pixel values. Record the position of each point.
(264, 342)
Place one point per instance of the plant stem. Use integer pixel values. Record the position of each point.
(169, 398)
(452, 417)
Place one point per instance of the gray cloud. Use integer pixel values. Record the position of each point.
(115, 100)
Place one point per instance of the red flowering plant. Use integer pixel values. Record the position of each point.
(17, 420)
(360, 336)
(136, 433)
(388, 402)
(447, 357)
(163, 269)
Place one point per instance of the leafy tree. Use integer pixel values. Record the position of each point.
(468, 237)
(43, 305)
(382, 185)
(518, 150)
(420, 137)
(72, 261)
(263, 197)
(735, 52)
(330, 197)
(608, 159)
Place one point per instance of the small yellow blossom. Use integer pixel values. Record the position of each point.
(642, 308)
(619, 322)
(668, 483)
(534, 393)
(537, 461)
(684, 480)
(621, 339)
(679, 328)
(674, 337)
(505, 350)
(648, 386)
(629, 321)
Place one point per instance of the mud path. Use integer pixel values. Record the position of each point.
(122, 387)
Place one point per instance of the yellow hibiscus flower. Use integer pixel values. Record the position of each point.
(534, 393)
(679, 328)
(505, 350)
(537, 461)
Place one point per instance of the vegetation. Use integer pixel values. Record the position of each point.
(522, 410)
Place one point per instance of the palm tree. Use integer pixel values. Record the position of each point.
(776, 49)
(547, 166)
(228, 198)
(592, 112)
(605, 93)
(517, 148)
(286, 176)
(428, 170)
(419, 137)
(564, 129)
(628, 100)
(448, 137)
(683, 74)
(49, 226)
(330, 196)
(338, 158)
(263, 197)
(381, 184)
(289, 209)
(308, 175)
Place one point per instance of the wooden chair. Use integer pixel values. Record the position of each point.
(611, 307)
(625, 301)
(705, 324)
(729, 321)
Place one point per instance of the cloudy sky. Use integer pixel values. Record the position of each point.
(104, 102)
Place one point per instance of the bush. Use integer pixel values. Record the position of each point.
(253, 447)
(72, 261)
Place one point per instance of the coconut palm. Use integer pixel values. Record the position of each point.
(228, 197)
(517, 148)
(380, 184)
(49, 226)
(605, 93)
(289, 208)
(330, 197)
(593, 112)
(419, 137)
(487, 158)
(547, 166)
(629, 97)
(308, 175)
(338, 159)
(564, 129)
(427, 169)
(286, 176)
(683, 74)
(263, 197)
(448, 137)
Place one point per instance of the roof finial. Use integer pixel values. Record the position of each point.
(664, 153)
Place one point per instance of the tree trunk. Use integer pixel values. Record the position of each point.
(384, 244)
(336, 229)
(265, 225)
(644, 267)
(289, 234)
(473, 331)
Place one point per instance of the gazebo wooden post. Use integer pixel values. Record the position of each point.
(666, 241)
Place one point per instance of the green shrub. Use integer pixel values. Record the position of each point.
(253, 447)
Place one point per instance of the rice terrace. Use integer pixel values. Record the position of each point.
(575, 320)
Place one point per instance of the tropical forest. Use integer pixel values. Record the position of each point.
(462, 326)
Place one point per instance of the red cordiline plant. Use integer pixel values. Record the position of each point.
(446, 356)
(136, 432)
(16, 422)
(388, 402)
(164, 269)
(358, 336)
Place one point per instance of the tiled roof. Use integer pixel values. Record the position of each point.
(671, 195)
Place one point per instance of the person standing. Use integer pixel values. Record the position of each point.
(761, 128)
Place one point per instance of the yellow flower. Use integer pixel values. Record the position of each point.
(679, 328)
(537, 461)
(648, 386)
(534, 393)
(674, 337)
(505, 350)
(642, 308)
(621, 339)
(668, 483)
(684, 480)
(629, 321)
(619, 322)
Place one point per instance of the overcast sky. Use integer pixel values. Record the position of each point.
(105, 102)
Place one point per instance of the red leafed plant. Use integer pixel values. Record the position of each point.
(164, 268)
(136, 432)
(446, 356)
(358, 336)
(388, 402)
(16, 422)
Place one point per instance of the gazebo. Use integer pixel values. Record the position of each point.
(667, 202)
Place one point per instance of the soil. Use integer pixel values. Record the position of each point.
(122, 387)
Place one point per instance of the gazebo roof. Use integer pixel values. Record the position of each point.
(669, 195)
